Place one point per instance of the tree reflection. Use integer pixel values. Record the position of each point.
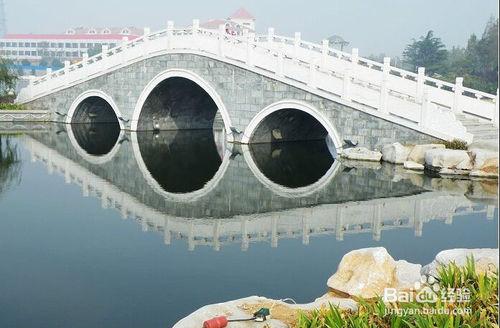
(10, 164)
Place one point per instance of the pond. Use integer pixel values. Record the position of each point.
(104, 228)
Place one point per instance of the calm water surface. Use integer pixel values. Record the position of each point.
(101, 228)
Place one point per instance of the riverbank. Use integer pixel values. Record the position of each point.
(455, 158)
(24, 115)
(368, 273)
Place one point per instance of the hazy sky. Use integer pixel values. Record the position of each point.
(381, 26)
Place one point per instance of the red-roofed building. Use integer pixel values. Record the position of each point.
(70, 45)
(243, 18)
(235, 24)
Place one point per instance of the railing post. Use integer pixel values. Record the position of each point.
(325, 47)
(222, 34)
(66, 64)
(384, 93)
(270, 35)
(250, 43)
(354, 60)
(104, 50)
(312, 73)
(420, 83)
(423, 109)
(495, 115)
(196, 26)
(170, 33)
(147, 31)
(459, 89)
(296, 45)
(84, 59)
(280, 62)
(48, 72)
(346, 93)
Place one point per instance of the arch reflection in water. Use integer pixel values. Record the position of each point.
(293, 164)
(96, 139)
(179, 162)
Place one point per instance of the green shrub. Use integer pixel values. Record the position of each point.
(483, 305)
(10, 106)
(455, 144)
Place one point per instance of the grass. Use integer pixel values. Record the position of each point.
(10, 106)
(483, 305)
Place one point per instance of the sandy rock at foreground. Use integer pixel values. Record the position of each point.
(367, 272)
(410, 165)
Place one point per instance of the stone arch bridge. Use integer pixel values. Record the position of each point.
(262, 89)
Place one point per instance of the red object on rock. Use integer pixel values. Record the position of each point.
(217, 322)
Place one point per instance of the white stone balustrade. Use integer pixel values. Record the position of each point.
(378, 89)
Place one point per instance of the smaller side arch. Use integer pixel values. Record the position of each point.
(94, 93)
(187, 75)
(293, 104)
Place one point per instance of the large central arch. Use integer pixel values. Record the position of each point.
(185, 74)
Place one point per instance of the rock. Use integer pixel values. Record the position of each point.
(490, 145)
(362, 154)
(364, 272)
(485, 163)
(407, 274)
(410, 165)
(395, 153)
(234, 309)
(447, 158)
(417, 154)
(282, 314)
(486, 259)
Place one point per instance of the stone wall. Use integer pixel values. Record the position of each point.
(243, 93)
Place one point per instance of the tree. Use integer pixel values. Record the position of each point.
(8, 77)
(10, 164)
(56, 63)
(428, 52)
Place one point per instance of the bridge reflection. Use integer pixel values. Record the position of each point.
(239, 207)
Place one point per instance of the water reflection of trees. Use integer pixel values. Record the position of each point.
(10, 164)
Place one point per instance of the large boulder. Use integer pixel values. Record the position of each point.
(395, 153)
(362, 154)
(486, 259)
(448, 159)
(417, 154)
(367, 272)
(485, 163)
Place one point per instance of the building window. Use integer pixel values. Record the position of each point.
(33, 44)
(26, 44)
(14, 44)
(8, 44)
(92, 31)
(21, 53)
(125, 31)
(8, 52)
(67, 45)
(2, 44)
(75, 53)
(14, 52)
(82, 45)
(106, 31)
(70, 31)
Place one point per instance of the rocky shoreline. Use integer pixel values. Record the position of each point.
(478, 160)
(364, 273)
